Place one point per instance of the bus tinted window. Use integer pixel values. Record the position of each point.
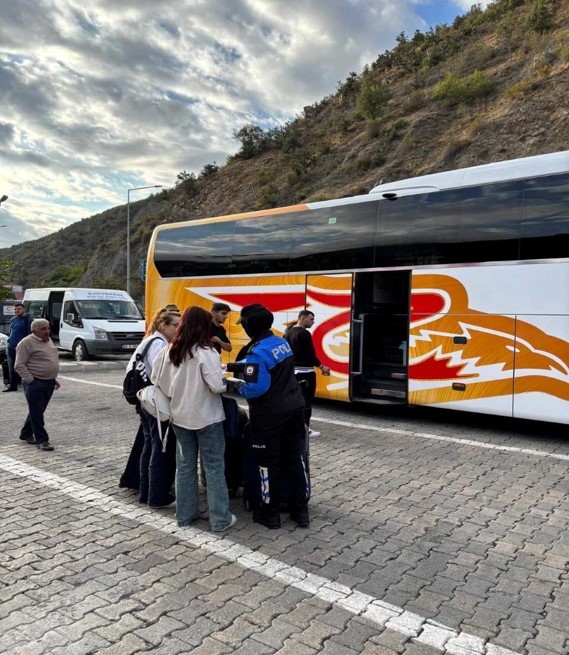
(195, 250)
(334, 238)
(459, 225)
(262, 245)
(545, 225)
(489, 223)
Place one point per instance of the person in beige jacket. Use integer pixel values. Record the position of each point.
(37, 363)
(189, 372)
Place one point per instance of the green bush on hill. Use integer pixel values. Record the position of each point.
(454, 89)
(540, 17)
(371, 98)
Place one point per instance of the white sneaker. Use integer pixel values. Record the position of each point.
(313, 433)
(231, 524)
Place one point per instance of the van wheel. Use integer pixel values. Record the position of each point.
(80, 352)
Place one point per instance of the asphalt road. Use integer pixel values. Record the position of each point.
(431, 532)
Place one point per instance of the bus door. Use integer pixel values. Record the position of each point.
(380, 331)
(53, 315)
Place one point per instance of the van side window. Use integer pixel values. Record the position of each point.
(35, 308)
(69, 308)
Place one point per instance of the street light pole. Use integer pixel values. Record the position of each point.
(138, 188)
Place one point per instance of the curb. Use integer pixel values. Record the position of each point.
(90, 367)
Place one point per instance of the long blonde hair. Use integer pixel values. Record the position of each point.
(160, 318)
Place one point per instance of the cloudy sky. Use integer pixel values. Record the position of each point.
(101, 96)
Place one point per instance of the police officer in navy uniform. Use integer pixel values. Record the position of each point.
(276, 408)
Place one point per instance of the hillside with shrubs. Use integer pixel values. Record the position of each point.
(491, 86)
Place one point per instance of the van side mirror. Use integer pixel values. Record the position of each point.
(70, 318)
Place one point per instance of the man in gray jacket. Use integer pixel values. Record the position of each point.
(37, 362)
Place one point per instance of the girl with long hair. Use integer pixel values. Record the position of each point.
(155, 480)
(192, 377)
(130, 477)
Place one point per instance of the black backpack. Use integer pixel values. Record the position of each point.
(136, 378)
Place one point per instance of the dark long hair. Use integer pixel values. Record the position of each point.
(194, 330)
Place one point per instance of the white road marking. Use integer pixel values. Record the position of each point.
(384, 615)
(404, 433)
(97, 384)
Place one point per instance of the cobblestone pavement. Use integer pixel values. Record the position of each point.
(431, 532)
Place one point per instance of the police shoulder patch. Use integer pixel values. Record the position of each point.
(251, 372)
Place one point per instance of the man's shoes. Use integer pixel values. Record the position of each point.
(301, 517)
(229, 525)
(313, 433)
(31, 440)
(7, 389)
(269, 520)
(170, 500)
(23, 437)
(44, 445)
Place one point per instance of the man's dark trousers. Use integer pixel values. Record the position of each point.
(15, 379)
(38, 394)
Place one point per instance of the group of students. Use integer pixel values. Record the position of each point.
(181, 358)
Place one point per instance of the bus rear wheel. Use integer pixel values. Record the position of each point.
(80, 352)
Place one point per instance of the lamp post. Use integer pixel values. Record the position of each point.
(2, 199)
(138, 188)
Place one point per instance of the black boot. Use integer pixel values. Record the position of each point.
(269, 518)
(301, 517)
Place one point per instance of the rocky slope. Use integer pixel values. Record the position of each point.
(492, 86)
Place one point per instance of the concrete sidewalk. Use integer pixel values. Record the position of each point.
(426, 538)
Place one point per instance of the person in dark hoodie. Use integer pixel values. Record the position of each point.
(276, 409)
(20, 327)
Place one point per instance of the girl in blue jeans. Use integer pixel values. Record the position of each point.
(192, 377)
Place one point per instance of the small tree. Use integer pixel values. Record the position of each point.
(540, 17)
(254, 140)
(208, 170)
(188, 182)
(371, 97)
(350, 86)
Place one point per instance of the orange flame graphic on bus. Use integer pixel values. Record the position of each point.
(451, 342)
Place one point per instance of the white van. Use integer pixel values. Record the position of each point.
(88, 322)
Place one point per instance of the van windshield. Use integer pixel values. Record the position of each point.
(108, 309)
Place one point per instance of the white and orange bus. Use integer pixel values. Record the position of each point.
(448, 290)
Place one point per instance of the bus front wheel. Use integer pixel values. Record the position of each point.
(80, 352)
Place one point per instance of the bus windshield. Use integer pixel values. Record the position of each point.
(108, 309)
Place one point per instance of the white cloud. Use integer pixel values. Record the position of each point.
(467, 4)
(98, 96)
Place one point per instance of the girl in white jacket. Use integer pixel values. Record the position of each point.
(192, 377)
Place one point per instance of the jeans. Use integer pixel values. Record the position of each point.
(38, 394)
(276, 439)
(154, 485)
(211, 443)
(15, 379)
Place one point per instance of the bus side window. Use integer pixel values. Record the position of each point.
(545, 223)
(195, 250)
(334, 238)
(262, 245)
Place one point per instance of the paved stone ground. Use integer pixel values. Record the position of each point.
(420, 543)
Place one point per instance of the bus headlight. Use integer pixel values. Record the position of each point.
(100, 335)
